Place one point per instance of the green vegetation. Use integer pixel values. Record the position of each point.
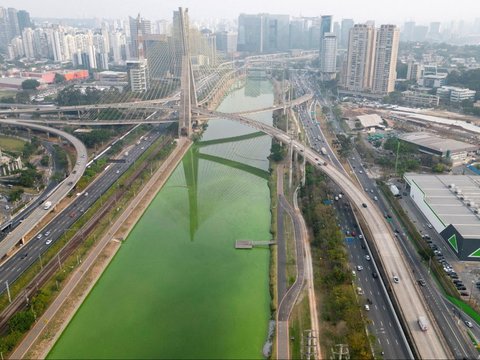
(96, 137)
(280, 120)
(11, 144)
(29, 177)
(465, 78)
(30, 148)
(341, 314)
(45, 160)
(406, 153)
(277, 152)
(30, 84)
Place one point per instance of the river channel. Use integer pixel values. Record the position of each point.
(177, 288)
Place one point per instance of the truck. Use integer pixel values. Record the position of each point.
(323, 151)
(423, 323)
(394, 190)
(47, 205)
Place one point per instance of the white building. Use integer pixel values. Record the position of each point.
(328, 57)
(455, 94)
(138, 76)
(386, 51)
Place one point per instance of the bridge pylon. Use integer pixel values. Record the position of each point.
(188, 94)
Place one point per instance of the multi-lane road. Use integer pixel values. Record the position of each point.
(16, 236)
(32, 251)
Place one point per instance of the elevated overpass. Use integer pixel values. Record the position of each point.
(428, 344)
(17, 235)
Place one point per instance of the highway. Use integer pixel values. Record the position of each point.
(15, 236)
(429, 344)
(32, 251)
(385, 325)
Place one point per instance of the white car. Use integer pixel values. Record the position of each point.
(367, 257)
(367, 308)
(48, 242)
(359, 267)
(396, 280)
(469, 323)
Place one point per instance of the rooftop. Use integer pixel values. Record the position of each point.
(437, 143)
(370, 120)
(447, 203)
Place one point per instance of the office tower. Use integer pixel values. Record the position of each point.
(414, 70)
(250, 33)
(13, 22)
(386, 51)
(138, 28)
(162, 27)
(408, 28)
(117, 42)
(27, 38)
(276, 32)
(138, 76)
(360, 58)
(298, 34)
(420, 33)
(347, 24)
(4, 29)
(23, 20)
(226, 41)
(337, 30)
(434, 32)
(325, 25)
(328, 59)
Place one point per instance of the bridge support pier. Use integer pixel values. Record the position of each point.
(290, 165)
(303, 169)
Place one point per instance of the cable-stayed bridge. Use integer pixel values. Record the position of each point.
(187, 77)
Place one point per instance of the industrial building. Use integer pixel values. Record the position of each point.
(450, 204)
(455, 151)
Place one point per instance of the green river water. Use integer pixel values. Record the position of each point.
(177, 288)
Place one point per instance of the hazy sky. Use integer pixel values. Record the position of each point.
(396, 11)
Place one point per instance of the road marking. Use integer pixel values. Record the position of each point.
(381, 323)
(388, 342)
(390, 324)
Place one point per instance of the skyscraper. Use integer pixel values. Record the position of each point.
(408, 28)
(325, 28)
(250, 33)
(360, 58)
(347, 24)
(138, 77)
(386, 51)
(328, 59)
(13, 22)
(23, 20)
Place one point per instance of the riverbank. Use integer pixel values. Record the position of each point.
(49, 327)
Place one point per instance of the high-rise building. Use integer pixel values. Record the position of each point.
(226, 41)
(23, 20)
(360, 58)
(337, 30)
(434, 32)
(27, 38)
(276, 32)
(386, 51)
(325, 28)
(408, 28)
(328, 58)
(4, 29)
(420, 33)
(347, 24)
(138, 76)
(13, 22)
(250, 33)
(414, 70)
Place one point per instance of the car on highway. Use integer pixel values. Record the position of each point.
(364, 205)
(422, 282)
(375, 275)
(396, 280)
(39, 236)
(367, 257)
(469, 324)
(359, 267)
(367, 308)
(47, 233)
(24, 256)
(429, 226)
(48, 242)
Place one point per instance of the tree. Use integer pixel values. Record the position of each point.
(21, 321)
(45, 160)
(22, 97)
(30, 84)
(59, 78)
(277, 153)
